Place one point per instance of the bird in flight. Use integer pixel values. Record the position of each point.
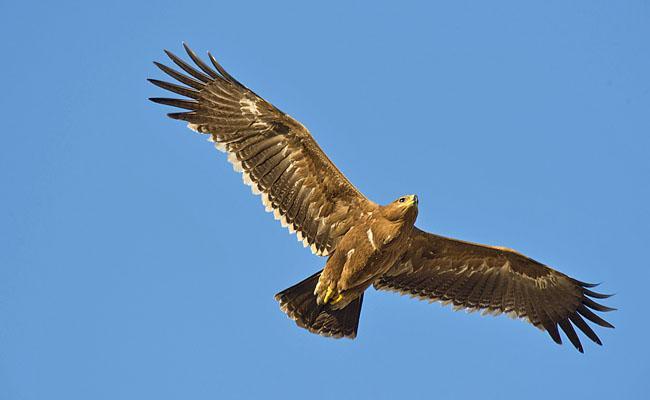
(366, 244)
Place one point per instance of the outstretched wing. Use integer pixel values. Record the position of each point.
(277, 155)
(496, 280)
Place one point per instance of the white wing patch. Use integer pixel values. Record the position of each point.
(249, 106)
(371, 238)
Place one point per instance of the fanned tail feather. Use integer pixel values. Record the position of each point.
(299, 303)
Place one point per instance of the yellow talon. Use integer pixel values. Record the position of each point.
(337, 299)
(328, 295)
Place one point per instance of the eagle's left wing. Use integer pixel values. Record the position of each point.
(276, 154)
(496, 280)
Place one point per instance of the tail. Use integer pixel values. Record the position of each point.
(299, 302)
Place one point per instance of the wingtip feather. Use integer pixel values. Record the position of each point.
(186, 104)
(571, 334)
(585, 312)
(585, 328)
(597, 295)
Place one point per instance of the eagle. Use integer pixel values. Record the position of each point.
(365, 244)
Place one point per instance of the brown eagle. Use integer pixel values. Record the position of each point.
(365, 243)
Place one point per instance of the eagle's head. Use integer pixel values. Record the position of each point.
(405, 208)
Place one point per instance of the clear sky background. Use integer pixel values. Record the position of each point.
(135, 265)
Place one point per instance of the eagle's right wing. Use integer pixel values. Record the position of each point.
(496, 280)
(276, 154)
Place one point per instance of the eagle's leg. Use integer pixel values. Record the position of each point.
(327, 290)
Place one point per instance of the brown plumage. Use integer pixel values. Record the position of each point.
(366, 243)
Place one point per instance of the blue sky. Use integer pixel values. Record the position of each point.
(134, 264)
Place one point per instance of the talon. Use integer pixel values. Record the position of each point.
(337, 299)
(328, 295)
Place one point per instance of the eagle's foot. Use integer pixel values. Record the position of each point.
(331, 296)
(328, 295)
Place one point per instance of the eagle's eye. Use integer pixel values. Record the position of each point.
(402, 199)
